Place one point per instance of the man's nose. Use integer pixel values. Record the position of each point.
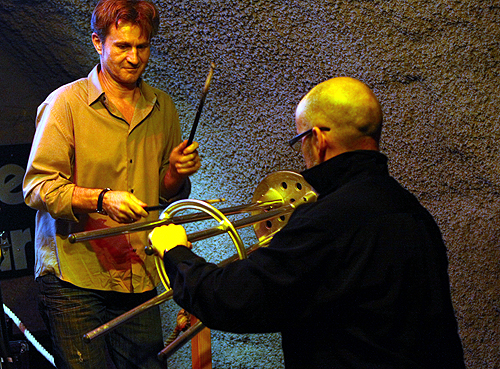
(133, 56)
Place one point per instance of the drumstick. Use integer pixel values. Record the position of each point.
(200, 106)
(163, 206)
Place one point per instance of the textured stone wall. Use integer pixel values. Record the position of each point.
(433, 65)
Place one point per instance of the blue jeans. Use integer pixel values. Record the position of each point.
(69, 312)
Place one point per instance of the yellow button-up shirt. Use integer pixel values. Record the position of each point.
(82, 139)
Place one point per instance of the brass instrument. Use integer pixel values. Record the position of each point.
(275, 198)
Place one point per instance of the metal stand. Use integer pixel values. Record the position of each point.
(275, 199)
(7, 361)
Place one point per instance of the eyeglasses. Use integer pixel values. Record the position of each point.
(296, 142)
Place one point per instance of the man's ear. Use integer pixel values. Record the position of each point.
(97, 43)
(319, 140)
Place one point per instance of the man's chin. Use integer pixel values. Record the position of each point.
(130, 74)
(130, 78)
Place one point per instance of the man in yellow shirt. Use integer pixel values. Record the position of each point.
(106, 146)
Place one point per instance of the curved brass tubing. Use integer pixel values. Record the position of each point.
(275, 199)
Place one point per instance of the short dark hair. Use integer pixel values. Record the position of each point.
(142, 13)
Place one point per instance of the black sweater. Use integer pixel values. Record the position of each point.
(357, 279)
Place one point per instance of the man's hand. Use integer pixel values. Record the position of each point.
(123, 207)
(166, 237)
(185, 161)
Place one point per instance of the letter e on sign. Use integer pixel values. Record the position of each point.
(11, 180)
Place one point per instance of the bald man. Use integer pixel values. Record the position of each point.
(357, 279)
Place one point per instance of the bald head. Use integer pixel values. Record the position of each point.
(346, 106)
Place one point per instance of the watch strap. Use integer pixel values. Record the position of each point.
(100, 199)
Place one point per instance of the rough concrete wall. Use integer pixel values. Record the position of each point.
(433, 65)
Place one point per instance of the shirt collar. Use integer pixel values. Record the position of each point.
(96, 91)
(335, 172)
(94, 86)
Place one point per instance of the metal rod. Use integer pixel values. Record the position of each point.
(115, 231)
(166, 204)
(183, 219)
(240, 223)
(109, 326)
(181, 341)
